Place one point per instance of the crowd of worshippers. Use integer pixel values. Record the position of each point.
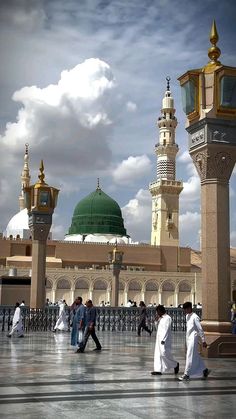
(83, 325)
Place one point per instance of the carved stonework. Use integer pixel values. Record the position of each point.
(212, 131)
(40, 232)
(212, 163)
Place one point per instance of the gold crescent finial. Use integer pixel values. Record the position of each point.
(214, 52)
(26, 148)
(41, 175)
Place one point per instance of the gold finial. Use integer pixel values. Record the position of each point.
(98, 185)
(214, 52)
(41, 175)
(26, 148)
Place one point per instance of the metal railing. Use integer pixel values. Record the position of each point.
(108, 318)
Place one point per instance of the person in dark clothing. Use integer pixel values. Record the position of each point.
(90, 323)
(142, 321)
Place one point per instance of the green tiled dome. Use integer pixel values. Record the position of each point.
(97, 213)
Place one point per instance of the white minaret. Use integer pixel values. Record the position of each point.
(165, 190)
(25, 177)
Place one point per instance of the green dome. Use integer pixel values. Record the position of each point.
(97, 213)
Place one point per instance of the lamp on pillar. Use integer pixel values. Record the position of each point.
(115, 258)
(209, 101)
(40, 201)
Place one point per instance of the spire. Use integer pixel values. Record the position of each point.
(98, 184)
(41, 175)
(25, 177)
(214, 52)
(168, 79)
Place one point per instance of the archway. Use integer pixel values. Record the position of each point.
(134, 291)
(63, 291)
(82, 289)
(48, 289)
(99, 291)
(151, 293)
(184, 292)
(168, 294)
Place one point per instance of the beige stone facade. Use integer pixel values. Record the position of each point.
(154, 274)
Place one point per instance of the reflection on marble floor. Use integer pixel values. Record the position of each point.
(42, 377)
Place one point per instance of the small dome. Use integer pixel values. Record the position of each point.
(97, 213)
(18, 226)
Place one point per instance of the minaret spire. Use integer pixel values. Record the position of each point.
(168, 79)
(165, 190)
(25, 177)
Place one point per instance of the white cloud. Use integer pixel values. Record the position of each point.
(137, 215)
(68, 124)
(189, 228)
(132, 169)
(131, 106)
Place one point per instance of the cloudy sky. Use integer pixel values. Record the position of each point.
(82, 82)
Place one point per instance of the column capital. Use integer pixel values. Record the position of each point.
(214, 162)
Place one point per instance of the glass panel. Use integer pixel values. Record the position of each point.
(228, 92)
(188, 97)
(44, 199)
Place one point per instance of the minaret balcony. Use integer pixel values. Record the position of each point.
(162, 186)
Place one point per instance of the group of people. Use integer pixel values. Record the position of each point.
(83, 326)
(163, 359)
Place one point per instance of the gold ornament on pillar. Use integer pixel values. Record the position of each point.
(214, 52)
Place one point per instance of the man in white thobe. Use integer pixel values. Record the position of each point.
(17, 325)
(163, 359)
(61, 323)
(194, 366)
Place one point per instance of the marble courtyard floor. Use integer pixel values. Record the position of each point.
(42, 377)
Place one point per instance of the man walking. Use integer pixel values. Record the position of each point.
(194, 364)
(78, 322)
(17, 325)
(90, 323)
(142, 321)
(163, 359)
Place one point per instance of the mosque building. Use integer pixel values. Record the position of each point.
(160, 272)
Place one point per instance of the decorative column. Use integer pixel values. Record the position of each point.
(143, 293)
(159, 296)
(72, 294)
(108, 295)
(40, 200)
(176, 297)
(115, 260)
(91, 292)
(125, 294)
(54, 295)
(209, 99)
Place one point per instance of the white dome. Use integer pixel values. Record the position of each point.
(73, 238)
(18, 225)
(117, 240)
(92, 238)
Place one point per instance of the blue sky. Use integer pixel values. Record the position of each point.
(82, 82)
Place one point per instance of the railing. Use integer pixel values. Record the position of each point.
(108, 318)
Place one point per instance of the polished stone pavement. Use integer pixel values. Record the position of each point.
(42, 377)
